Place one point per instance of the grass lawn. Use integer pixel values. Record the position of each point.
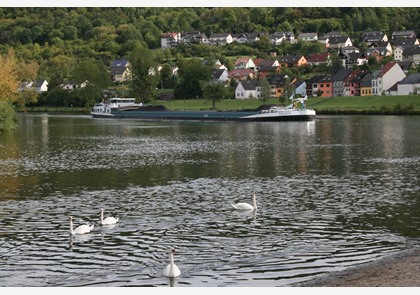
(366, 104)
(395, 105)
(409, 104)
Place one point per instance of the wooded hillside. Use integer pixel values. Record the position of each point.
(62, 44)
(105, 34)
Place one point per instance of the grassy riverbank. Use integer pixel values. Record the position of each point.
(369, 105)
(396, 105)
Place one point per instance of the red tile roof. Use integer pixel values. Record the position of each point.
(387, 67)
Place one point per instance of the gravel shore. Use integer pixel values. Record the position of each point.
(398, 270)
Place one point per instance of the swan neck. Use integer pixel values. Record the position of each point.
(255, 202)
(102, 215)
(171, 259)
(71, 227)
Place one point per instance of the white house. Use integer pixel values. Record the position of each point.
(220, 38)
(41, 86)
(338, 42)
(288, 35)
(120, 70)
(244, 63)
(170, 39)
(71, 85)
(277, 39)
(308, 37)
(300, 88)
(25, 85)
(248, 37)
(409, 85)
(385, 78)
(398, 53)
(374, 36)
(247, 89)
(220, 75)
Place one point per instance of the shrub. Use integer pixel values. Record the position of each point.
(8, 117)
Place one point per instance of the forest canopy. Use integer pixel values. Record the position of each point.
(79, 43)
(104, 34)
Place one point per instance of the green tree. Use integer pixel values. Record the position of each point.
(336, 64)
(97, 80)
(57, 69)
(191, 72)
(265, 89)
(27, 96)
(144, 74)
(87, 70)
(213, 91)
(9, 79)
(8, 117)
(9, 82)
(167, 78)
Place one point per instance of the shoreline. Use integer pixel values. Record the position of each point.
(400, 269)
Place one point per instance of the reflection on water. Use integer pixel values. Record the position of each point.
(331, 193)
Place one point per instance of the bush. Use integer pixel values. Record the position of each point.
(8, 117)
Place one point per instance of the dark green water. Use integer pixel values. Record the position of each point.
(332, 193)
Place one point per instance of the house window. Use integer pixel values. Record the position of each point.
(328, 85)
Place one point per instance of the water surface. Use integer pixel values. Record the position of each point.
(331, 193)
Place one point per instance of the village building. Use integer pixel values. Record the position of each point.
(325, 86)
(308, 37)
(386, 77)
(317, 59)
(220, 38)
(241, 74)
(120, 70)
(170, 39)
(409, 85)
(247, 89)
(290, 61)
(220, 75)
(244, 63)
(312, 85)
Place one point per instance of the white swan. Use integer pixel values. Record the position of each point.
(81, 229)
(108, 220)
(171, 270)
(246, 206)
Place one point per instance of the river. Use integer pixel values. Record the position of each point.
(332, 193)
